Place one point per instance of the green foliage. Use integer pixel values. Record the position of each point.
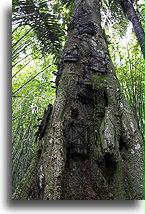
(128, 62)
(28, 105)
(113, 15)
(41, 16)
(31, 92)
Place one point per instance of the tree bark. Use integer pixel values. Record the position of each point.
(129, 12)
(92, 148)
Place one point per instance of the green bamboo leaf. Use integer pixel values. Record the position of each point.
(104, 78)
(96, 76)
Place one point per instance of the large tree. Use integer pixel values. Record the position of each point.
(90, 147)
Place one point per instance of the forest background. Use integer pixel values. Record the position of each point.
(126, 56)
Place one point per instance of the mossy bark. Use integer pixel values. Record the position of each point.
(92, 148)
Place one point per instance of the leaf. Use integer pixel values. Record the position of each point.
(104, 78)
(95, 76)
(89, 83)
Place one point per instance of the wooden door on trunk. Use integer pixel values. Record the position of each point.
(78, 137)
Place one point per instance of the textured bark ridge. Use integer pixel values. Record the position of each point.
(92, 149)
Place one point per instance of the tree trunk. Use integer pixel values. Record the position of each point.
(129, 11)
(92, 149)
